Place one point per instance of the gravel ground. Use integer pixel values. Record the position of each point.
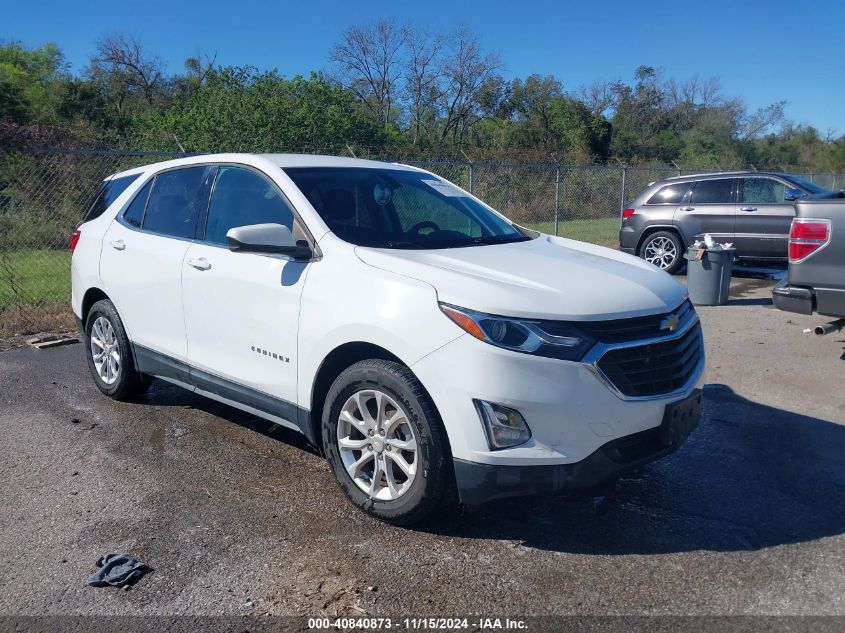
(239, 517)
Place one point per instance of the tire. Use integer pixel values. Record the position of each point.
(409, 417)
(657, 249)
(117, 376)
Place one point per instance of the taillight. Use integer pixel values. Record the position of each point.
(806, 236)
(74, 239)
(627, 213)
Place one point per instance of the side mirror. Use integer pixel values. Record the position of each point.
(793, 194)
(267, 238)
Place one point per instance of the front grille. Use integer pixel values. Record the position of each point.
(654, 368)
(637, 328)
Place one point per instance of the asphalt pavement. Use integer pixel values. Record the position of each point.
(237, 516)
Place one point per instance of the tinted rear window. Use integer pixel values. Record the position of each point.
(712, 191)
(108, 192)
(176, 201)
(134, 213)
(670, 194)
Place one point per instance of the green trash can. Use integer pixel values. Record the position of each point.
(709, 278)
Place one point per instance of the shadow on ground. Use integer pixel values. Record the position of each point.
(750, 477)
(164, 394)
(762, 301)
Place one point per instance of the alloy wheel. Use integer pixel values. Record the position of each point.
(105, 351)
(377, 444)
(661, 251)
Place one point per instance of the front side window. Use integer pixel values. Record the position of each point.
(242, 197)
(108, 192)
(176, 201)
(670, 194)
(399, 208)
(763, 191)
(718, 191)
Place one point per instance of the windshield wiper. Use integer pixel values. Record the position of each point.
(402, 244)
(499, 239)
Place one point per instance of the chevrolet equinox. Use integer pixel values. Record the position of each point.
(430, 348)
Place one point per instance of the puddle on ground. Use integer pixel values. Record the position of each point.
(747, 279)
(745, 287)
(157, 438)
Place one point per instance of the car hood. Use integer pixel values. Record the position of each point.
(544, 278)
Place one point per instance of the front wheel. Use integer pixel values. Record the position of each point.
(385, 443)
(664, 250)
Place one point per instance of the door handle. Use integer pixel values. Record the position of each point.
(200, 263)
(118, 245)
(748, 208)
(687, 208)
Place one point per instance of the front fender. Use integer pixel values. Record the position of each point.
(348, 301)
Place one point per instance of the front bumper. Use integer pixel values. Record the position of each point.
(571, 410)
(479, 483)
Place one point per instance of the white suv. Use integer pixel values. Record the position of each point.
(425, 343)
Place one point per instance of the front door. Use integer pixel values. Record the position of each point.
(242, 309)
(763, 218)
(710, 210)
(141, 261)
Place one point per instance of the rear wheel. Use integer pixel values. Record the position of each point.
(664, 250)
(110, 355)
(384, 442)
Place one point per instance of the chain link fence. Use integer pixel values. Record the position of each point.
(43, 194)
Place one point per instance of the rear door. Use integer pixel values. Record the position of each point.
(710, 208)
(143, 250)
(763, 218)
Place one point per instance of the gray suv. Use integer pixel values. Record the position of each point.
(753, 210)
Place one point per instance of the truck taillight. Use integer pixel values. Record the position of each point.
(806, 236)
(627, 213)
(74, 239)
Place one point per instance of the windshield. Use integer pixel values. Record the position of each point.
(806, 185)
(398, 208)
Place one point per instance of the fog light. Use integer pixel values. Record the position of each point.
(505, 427)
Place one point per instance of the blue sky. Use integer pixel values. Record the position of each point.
(760, 51)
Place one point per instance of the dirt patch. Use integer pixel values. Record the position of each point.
(19, 323)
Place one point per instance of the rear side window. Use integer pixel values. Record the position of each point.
(243, 197)
(763, 191)
(670, 194)
(177, 199)
(712, 191)
(134, 213)
(108, 192)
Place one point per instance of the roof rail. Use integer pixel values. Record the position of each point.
(711, 173)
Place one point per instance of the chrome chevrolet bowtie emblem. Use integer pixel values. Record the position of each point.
(670, 323)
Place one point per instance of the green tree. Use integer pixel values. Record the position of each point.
(241, 109)
(31, 82)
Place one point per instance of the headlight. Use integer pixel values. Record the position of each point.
(554, 339)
